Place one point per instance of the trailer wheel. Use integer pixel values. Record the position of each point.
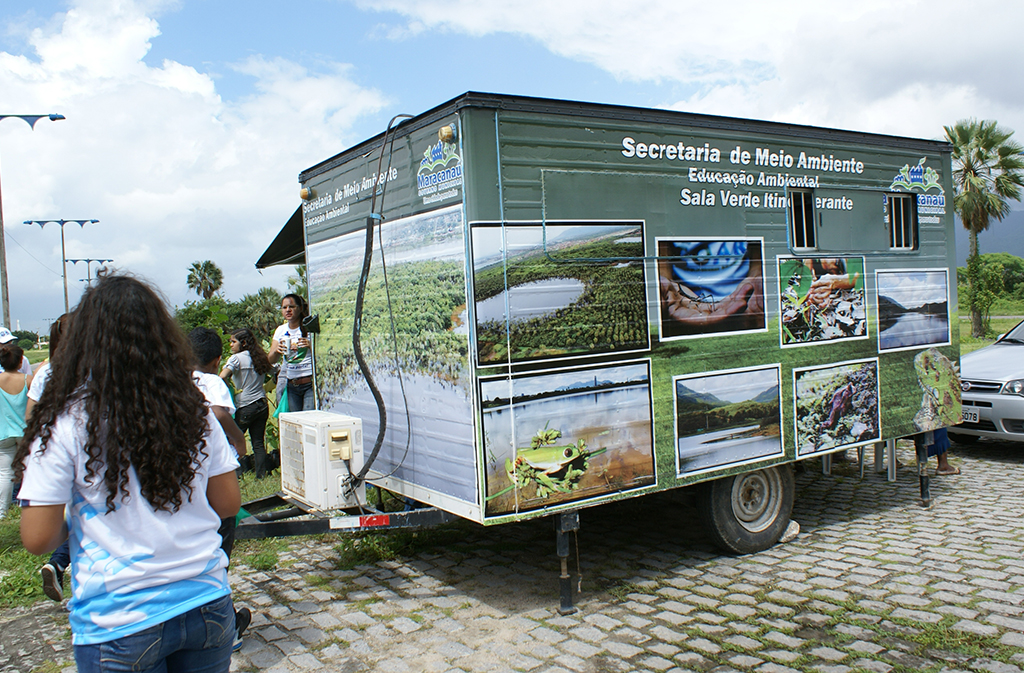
(748, 512)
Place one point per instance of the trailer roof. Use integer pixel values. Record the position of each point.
(287, 248)
(473, 99)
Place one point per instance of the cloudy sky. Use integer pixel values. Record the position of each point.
(188, 121)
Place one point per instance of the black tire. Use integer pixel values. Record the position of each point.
(963, 439)
(748, 512)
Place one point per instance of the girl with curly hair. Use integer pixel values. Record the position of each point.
(123, 439)
(248, 368)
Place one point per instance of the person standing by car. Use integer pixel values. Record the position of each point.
(123, 439)
(940, 449)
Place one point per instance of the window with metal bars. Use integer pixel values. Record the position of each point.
(901, 219)
(802, 234)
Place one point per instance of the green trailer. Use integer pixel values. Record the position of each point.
(536, 306)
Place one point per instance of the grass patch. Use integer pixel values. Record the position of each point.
(324, 644)
(998, 326)
(253, 488)
(20, 584)
(622, 591)
(36, 356)
(52, 667)
(316, 580)
(374, 547)
(261, 554)
(943, 637)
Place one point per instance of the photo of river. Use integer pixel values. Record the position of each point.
(913, 308)
(727, 418)
(566, 435)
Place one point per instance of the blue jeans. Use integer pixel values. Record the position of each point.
(61, 557)
(300, 397)
(198, 641)
(8, 447)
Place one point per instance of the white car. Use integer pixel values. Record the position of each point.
(992, 381)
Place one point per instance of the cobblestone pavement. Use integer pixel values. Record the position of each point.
(874, 582)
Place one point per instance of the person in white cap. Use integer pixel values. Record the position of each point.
(5, 338)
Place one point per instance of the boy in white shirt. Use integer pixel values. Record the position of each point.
(208, 348)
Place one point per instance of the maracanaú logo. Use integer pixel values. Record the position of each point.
(917, 177)
(440, 175)
(437, 156)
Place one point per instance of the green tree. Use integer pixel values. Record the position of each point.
(990, 286)
(987, 173)
(299, 283)
(23, 334)
(260, 312)
(205, 278)
(1013, 270)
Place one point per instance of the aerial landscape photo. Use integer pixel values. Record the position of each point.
(557, 290)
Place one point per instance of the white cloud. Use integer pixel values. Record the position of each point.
(173, 172)
(903, 68)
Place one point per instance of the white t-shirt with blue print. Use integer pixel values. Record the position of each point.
(134, 567)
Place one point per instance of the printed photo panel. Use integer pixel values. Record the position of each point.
(727, 418)
(558, 290)
(913, 308)
(939, 380)
(822, 299)
(566, 435)
(710, 286)
(836, 406)
(420, 360)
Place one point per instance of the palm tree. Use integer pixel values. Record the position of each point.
(298, 283)
(261, 312)
(987, 173)
(205, 278)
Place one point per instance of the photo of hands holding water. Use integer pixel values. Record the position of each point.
(710, 286)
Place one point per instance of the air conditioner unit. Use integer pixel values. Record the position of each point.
(319, 452)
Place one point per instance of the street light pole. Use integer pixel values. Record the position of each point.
(63, 256)
(4, 296)
(88, 269)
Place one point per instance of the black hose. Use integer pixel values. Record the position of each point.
(357, 323)
(357, 346)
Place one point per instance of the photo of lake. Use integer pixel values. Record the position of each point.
(566, 435)
(913, 308)
(555, 290)
(726, 418)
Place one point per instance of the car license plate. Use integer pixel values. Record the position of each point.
(971, 415)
